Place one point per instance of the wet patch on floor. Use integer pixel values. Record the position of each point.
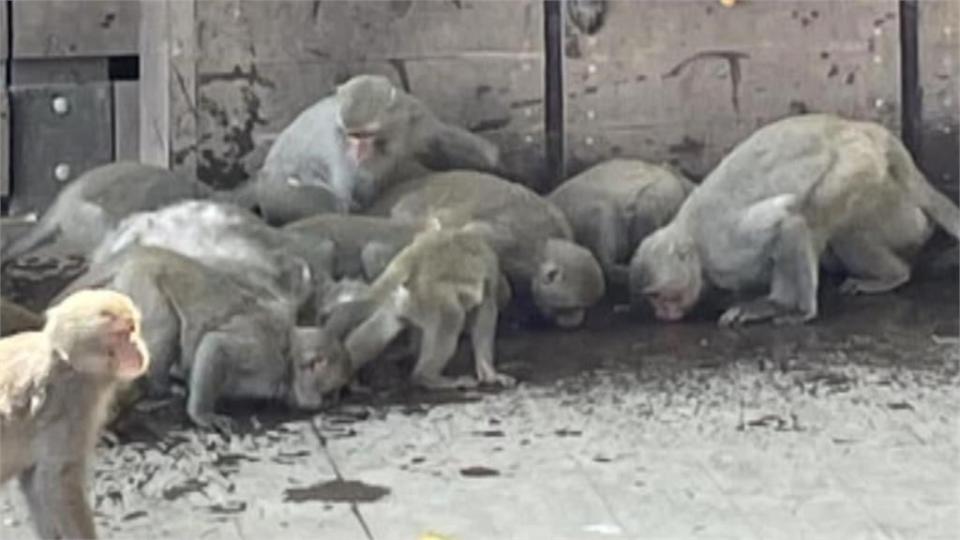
(336, 491)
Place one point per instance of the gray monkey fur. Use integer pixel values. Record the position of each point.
(532, 238)
(222, 336)
(615, 204)
(307, 170)
(766, 214)
(96, 201)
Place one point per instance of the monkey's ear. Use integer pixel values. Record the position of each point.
(550, 272)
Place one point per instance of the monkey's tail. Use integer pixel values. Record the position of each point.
(44, 232)
(934, 203)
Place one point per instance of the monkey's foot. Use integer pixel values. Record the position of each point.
(499, 379)
(762, 309)
(855, 286)
(440, 382)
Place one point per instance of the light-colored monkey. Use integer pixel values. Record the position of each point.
(95, 202)
(765, 215)
(614, 205)
(443, 282)
(55, 387)
(341, 152)
(222, 336)
(531, 236)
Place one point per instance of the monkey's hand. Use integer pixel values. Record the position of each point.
(762, 309)
(224, 425)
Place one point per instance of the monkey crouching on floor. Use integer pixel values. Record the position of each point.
(614, 205)
(767, 213)
(55, 387)
(223, 337)
(446, 280)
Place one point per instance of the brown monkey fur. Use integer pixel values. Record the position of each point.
(766, 214)
(55, 387)
(443, 282)
(532, 238)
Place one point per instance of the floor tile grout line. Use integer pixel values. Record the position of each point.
(354, 508)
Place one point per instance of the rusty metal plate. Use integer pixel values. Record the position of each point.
(43, 28)
(684, 82)
(477, 64)
(61, 131)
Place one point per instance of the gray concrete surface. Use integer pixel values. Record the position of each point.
(846, 428)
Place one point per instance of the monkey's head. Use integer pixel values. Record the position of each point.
(365, 104)
(320, 366)
(666, 271)
(98, 332)
(568, 281)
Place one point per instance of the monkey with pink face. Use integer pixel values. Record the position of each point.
(56, 385)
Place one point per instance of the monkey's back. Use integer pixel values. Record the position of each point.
(836, 168)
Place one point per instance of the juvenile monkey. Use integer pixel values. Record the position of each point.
(55, 387)
(222, 336)
(532, 238)
(340, 153)
(765, 215)
(443, 282)
(15, 318)
(614, 205)
(93, 204)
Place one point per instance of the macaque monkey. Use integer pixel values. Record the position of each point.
(443, 282)
(614, 205)
(232, 240)
(224, 337)
(55, 387)
(532, 238)
(15, 318)
(767, 213)
(340, 153)
(362, 245)
(92, 204)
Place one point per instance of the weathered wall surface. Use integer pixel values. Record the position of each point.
(684, 82)
(258, 64)
(666, 80)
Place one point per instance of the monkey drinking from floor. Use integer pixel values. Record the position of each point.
(614, 205)
(532, 238)
(55, 387)
(765, 215)
(338, 154)
(95, 202)
(443, 282)
(222, 336)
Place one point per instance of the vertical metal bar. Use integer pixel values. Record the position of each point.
(553, 89)
(911, 94)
